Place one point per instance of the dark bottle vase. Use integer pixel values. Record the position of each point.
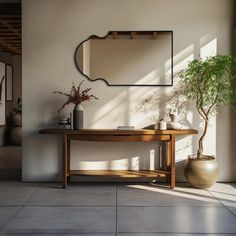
(78, 117)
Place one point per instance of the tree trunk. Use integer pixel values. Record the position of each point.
(200, 142)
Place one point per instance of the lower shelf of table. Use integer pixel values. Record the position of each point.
(120, 173)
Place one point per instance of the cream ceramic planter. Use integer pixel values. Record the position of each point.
(201, 173)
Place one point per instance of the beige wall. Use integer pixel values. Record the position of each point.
(52, 29)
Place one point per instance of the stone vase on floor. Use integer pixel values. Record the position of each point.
(78, 117)
(16, 132)
(201, 173)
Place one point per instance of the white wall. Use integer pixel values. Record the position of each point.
(15, 61)
(17, 81)
(52, 29)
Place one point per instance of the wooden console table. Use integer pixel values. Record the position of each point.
(108, 135)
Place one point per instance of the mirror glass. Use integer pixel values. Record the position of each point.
(125, 58)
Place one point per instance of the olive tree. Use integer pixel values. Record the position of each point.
(209, 84)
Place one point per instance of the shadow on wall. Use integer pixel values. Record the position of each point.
(139, 106)
(142, 110)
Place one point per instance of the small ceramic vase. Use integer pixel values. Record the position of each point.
(78, 117)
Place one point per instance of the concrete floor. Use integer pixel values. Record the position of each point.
(116, 209)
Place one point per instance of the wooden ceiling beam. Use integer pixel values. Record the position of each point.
(9, 20)
(3, 34)
(8, 26)
(10, 16)
(11, 48)
(8, 35)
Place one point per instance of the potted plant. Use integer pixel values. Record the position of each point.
(76, 96)
(209, 84)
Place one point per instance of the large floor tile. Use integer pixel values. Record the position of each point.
(6, 213)
(151, 195)
(63, 220)
(176, 220)
(225, 193)
(15, 193)
(224, 187)
(232, 209)
(75, 195)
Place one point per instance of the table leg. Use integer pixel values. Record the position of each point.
(172, 147)
(68, 159)
(64, 161)
(168, 159)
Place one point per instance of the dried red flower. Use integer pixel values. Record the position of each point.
(75, 96)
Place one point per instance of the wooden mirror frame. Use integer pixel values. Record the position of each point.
(132, 34)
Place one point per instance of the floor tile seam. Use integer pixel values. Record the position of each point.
(174, 206)
(103, 233)
(174, 233)
(60, 205)
(30, 195)
(58, 233)
(4, 226)
(217, 192)
(116, 209)
(225, 206)
(42, 232)
(56, 205)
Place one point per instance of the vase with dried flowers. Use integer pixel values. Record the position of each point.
(76, 96)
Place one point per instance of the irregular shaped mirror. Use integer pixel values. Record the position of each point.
(124, 58)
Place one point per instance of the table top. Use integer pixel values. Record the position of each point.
(117, 132)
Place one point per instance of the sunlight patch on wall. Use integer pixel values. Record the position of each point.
(183, 148)
(152, 77)
(93, 165)
(182, 58)
(135, 163)
(141, 115)
(209, 49)
(132, 98)
(121, 164)
(110, 111)
(152, 160)
(190, 117)
(183, 63)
